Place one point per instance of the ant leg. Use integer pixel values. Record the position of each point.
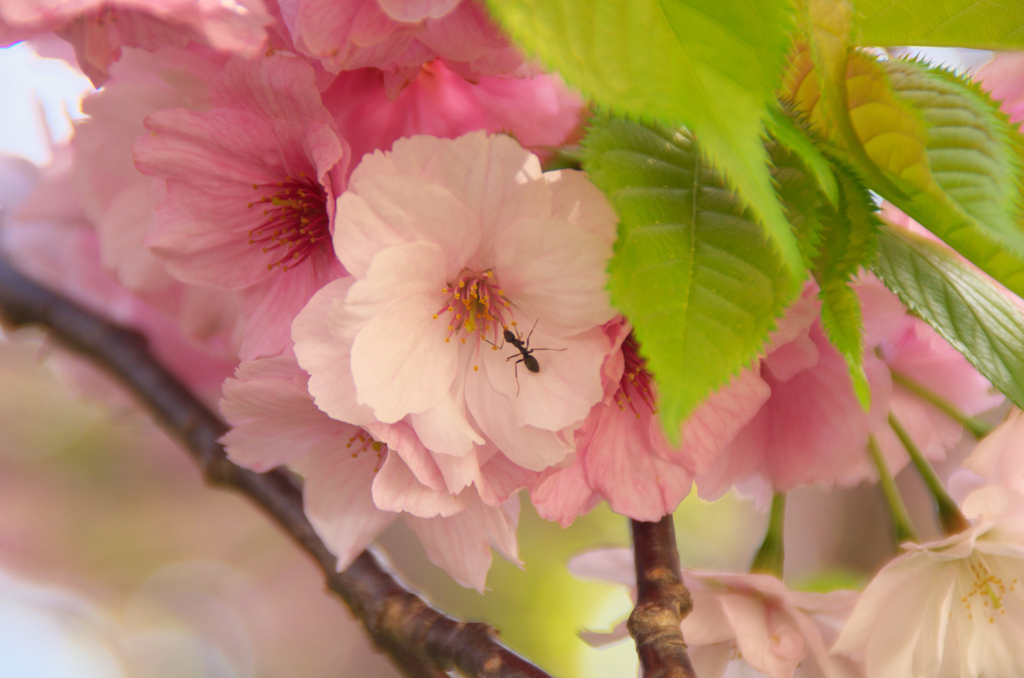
(516, 370)
(527, 342)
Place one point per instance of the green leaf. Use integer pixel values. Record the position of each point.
(692, 270)
(712, 66)
(974, 157)
(848, 241)
(938, 148)
(969, 312)
(793, 137)
(980, 24)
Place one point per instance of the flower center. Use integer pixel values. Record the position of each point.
(475, 303)
(635, 383)
(986, 587)
(295, 220)
(362, 442)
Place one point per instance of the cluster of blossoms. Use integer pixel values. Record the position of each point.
(341, 204)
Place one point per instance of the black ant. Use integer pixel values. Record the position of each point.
(526, 356)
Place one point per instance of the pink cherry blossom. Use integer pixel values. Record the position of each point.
(49, 238)
(539, 111)
(951, 608)
(742, 622)
(355, 485)
(813, 430)
(398, 37)
(98, 29)
(455, 245)
(915, 354)
(250, 190)
(116, 196)
(622, 454)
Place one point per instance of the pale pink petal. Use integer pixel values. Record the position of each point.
(495, 177)
(467, 36)
(502, 522)
(395, 488)
(635, 482)
(401, 360)
(380, 211)
(269, 136)
(555, 273)
(98, 30)
(402, 439)
(563, 494)
(461, 544)
(811, 429)
(998, 458)
(793, 357)
(339, 504)
(920, 353)
(717, 421)
(270, 307)
(273, 418)
(416, 10)
(566, 387)
(346, 35)
(775, 651)
(884, 315)
(459, 471)
(445, 427)
(530, 447)
(500, 479)
(115, 195)
(575, 199)
(323, 348)
(611, 564)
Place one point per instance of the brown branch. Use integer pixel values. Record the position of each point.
(662, 602)
(421, 641)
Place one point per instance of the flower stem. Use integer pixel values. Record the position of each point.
(952, 520)
(770, 556)
(902, 527)
(977, 427)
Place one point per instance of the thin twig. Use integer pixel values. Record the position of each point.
(421, 641)
(662, 602)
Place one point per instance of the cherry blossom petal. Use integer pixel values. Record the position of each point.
(380, 211)
(273, 418)
(573, 199)
(323, 343)
(445, 427)
(500, 478)
(563, 391)
(339, 503)
(540, 112)
(402, 439)
(281, 297)
(637, 485)
(395, 488)
(555, 273)
(997, 457)
(98, 30)
(461, 544)
(563, 494)
(716, 422)
(417, 10)
(401, 360)
(269, 132)
(530, 447)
